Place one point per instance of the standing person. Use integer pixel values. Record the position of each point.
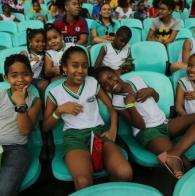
(19, 111)
(117, 54)
(164, 28)
(103, 30)
(136, 102)
(73, 102)
(57, 47)
(73, 27)
(185, 98)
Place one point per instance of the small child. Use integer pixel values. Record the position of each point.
(164, 28)
(137, 104)
(19, 111)
(36, 48)
(73, 101)
(117, 54)
(57, 46)
(37, 12)
(185, 99)
(7, 15)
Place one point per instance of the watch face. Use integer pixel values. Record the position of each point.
(21, 109)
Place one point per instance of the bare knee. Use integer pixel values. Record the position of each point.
(123, 173)
(82, 181)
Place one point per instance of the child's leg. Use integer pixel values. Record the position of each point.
(80, 166)
(14, 166)
(116, 164)
(179, 125)
(159, 145)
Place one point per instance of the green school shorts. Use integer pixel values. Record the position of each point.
(80, 138)
(148, 134)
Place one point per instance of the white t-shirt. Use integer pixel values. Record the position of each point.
(11, 18)
(56, 56)
(149, 110)
(115, 58)
(122, 14)
(86, 96)
(187, 85)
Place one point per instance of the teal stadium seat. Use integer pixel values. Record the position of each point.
(163, 86)
(149, 56)
(185, 14)
(5, 41)
(89, 7)
(94, 52)
(183, 34)
(176, 15)
(89, 23)
(174, 50)
(7, 52)
(19, 16)
(19, 39)
(8, 27)
(146, 27)
(185, 186)
(118, 189)
(136, 27)
(33, 24)
(190, 24)
(176, 76)
(34, 147)
(59, 168)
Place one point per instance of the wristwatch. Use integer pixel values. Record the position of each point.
(21, 108)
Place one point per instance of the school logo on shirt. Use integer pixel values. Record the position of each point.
(77, 29)
(91, 99)
(65, 29)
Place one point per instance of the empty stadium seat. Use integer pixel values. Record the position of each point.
(118, 189)
(149, 56)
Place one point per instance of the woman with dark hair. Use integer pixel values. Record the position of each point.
(103, 30)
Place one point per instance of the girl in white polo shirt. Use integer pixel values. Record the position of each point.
(75, 102)
(137, 103)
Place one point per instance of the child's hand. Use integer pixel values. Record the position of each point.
(109, 134)
(71, 108)
(143, 94)
(18, 97)
(190, 95)
(130, 98)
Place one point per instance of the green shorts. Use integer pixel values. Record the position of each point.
(80, 138)
(148, 134)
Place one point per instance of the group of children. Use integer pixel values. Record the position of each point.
(49, 58)
(73, 100)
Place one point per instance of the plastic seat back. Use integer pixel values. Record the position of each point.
(149, 56)
(8, 27)
(174, 50)
(89, 7)
(5, 41)
(185, 186)
(7, 52)
(118, 188)
(183, 34)
(94, 52)
(19, 39)
(33, 24)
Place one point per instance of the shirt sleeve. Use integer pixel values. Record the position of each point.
(84, 27)
(176, 25)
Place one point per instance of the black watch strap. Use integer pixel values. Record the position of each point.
(21, 108)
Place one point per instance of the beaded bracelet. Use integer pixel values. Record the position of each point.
(55, 116)
(130, 105)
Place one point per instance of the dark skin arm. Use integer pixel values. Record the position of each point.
(100, 57)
